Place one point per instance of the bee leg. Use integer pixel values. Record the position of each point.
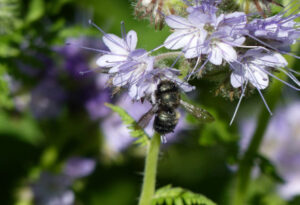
(163, 139)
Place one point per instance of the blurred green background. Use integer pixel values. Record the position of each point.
(37, 137)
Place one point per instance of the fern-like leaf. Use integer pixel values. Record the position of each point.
(178, 196)
(135, 130)
(9, 12)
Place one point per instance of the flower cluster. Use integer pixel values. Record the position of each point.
(134, 68)
(225, 37)
(54, 189)
(250, 47)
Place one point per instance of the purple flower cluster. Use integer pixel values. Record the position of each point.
(54, 189)
(205, 33)
(278, 31)
(209, 36)
(133, 68)
(219, 38)
(64, 84)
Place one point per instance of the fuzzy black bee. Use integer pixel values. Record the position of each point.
(167, 100)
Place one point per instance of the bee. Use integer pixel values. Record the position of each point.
(259, 4)
(167, 100)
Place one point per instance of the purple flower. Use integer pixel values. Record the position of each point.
(47, 99)
(255, 67)
(278, 31)
(95, 105)
(77, 167)
(147, 85)
(98, 97)
(205, 6)
(74, 62)
(281, 145)
(53, 189)
(206, 33)
(127, 64)
(132, 68)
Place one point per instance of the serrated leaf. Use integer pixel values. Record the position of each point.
(35, 11)
(179, 196)
(9, 11)
(135, 130)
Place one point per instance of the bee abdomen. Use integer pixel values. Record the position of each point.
(165, 121)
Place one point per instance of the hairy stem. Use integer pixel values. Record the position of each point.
(148, 187)
(246, 163)
(168, 55)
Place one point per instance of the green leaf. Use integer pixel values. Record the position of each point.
(135, 130)
(5, 98)
(179, 196)
(35, 11)
(216, 132)
(56, 5)
(9, 11)
(268, 168)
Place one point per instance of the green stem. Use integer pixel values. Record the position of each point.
(167, 55)
(246, 163)
(148, 188)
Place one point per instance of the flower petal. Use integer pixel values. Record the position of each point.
(177, 22)
(195, 46)
(178, 39)
(110, 60)
(257, 77)
(115, 44)
(236, 80)
(121, 79)
(131, 40)
(228, 52)
(215, 56)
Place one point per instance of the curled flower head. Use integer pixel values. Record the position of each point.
(155, 10)
(204, 6)
(279, 31)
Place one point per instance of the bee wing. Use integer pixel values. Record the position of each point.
(201, 114)
(145, 119)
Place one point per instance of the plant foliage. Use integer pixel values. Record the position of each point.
(178, 196)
